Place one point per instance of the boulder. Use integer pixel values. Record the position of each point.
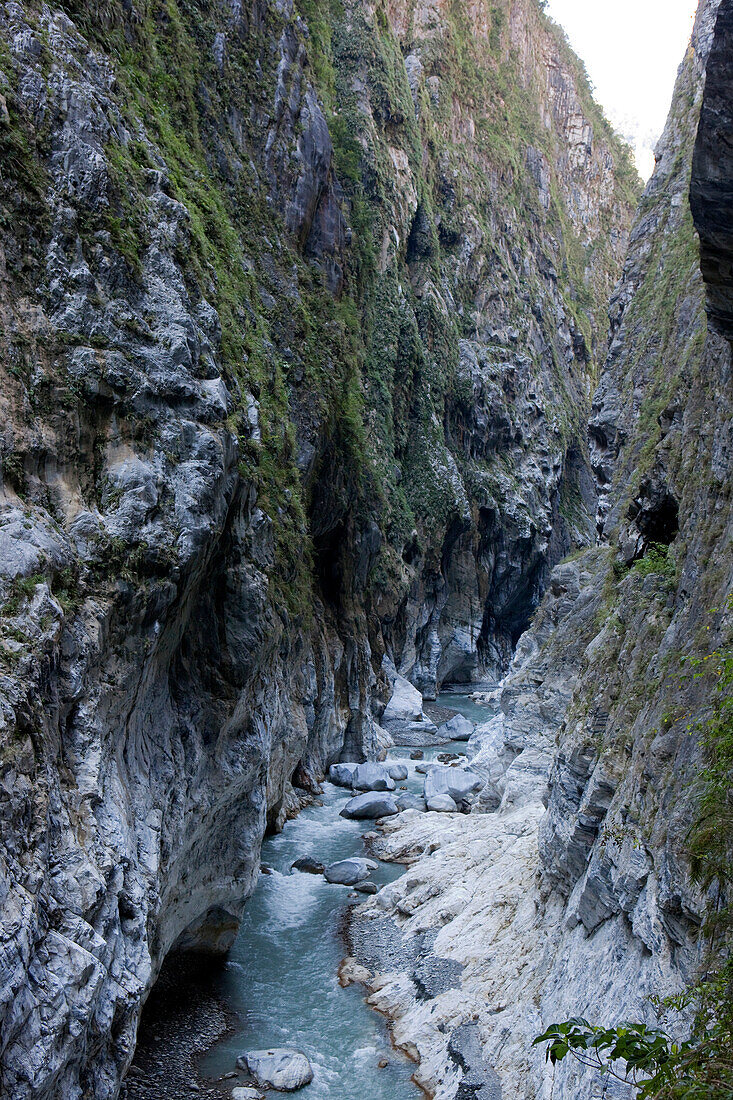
(398, 772)
(442, 804)
(372, 777)
(246, 1094)
(280, 1068)
(405, 704)
(352, 971)
(367, 887)
(457, 728)
(347, 872)
(424, 767)
(342, 775)
(459, 783)
(416, 754)
(307, 864)
(409, 801)
(372, 804)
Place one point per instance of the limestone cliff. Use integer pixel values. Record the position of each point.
(299, 312)
(594, 749)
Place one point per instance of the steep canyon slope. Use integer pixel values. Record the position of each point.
(573, 894)
(300, 312)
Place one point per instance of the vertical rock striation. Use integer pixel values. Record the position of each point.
(594, 748)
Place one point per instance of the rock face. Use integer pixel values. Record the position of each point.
(590, 753)
(296, 339)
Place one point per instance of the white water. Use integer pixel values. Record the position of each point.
(281, 977)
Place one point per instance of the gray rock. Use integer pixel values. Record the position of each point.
(408, 801)
(372, 804)
(457, 728)
(342, 775)
(280, 1068)
(245, 1093)
(398, 772)
(347, 872)
(372, 777)
(442, 803)
(308, 865)
(459, 783)
(367, 887)
(405, 704)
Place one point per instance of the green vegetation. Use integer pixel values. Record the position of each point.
(699, 1068)
(658, 560)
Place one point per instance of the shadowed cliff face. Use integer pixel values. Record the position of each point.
(710, 187)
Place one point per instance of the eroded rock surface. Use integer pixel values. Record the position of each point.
(568, 892)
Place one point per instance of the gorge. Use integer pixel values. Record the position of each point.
(345, 358)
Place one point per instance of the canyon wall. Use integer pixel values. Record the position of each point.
(300, 311)
(572, 895)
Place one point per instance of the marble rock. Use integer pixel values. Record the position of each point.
(442, 804)
(308, 865)
(372, 777)
(459, 783)
(347, 872)
(409, 801)
(342, 775)
(371, 804)
(280, 1068)
(457, 728)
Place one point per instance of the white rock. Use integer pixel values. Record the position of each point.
(280, 1068)
(458, 783)
(457, 728)
(442, 804)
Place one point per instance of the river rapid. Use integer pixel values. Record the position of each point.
(281, 977)
(279, 984)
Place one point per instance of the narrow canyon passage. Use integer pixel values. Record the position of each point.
(279, 986)
(345, 355)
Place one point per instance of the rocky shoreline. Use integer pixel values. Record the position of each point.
(182, 1019)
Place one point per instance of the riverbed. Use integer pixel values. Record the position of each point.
(279, 985)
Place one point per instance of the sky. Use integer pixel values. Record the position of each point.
(631, 49)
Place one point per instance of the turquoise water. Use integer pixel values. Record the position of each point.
(281, 977)
(453, 700)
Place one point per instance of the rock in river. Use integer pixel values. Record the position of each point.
(370, 805)
(372, 777)
(280, 1068)
(457, 728)
(307, 864)
(347, 872)
(409, 801)
(342, 774)
(246, 1094)
(398, 772)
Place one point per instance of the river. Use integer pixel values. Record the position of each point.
(281, 979)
